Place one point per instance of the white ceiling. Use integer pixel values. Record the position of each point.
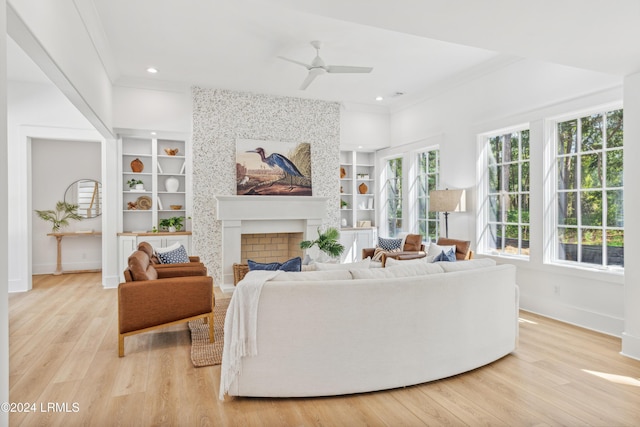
(415, 46)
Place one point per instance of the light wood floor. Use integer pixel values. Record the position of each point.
(63, 349)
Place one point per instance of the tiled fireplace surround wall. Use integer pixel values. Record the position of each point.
(270, 247)
(220, 117)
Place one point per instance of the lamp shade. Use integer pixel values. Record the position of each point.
(447, 201)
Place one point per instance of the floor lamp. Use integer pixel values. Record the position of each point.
(447, 201)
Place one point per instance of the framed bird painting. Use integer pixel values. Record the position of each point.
(273, 168)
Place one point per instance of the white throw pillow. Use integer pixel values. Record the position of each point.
(322, 266)
(393, 262)
(466, 265)
(173, 247)
(435, 250)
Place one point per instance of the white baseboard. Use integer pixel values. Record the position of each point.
(18, 286)
(110, 282)
(577, 316)
(630, 346)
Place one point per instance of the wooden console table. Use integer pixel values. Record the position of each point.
(59, 237)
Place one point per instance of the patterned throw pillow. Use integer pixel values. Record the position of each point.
(449, 256)
(389, 244)
(175, 256)
(377, 255)
(293, 264)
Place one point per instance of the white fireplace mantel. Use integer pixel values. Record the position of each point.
(264, 214)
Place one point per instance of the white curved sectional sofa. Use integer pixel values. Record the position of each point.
(339, 332)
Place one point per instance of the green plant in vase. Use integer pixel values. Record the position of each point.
(60, 216)
(172, 224)
(136, 183)
(327, 242)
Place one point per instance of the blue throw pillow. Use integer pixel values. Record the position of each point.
(176, 256)
(271, 266)
(389, 244)
(294, 264)
(448, 256)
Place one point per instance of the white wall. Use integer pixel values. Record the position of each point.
(33, 110)
(4, 223)
(56, 164)
(631, 336)
(363, 128)
(522, 92)
(149, 109)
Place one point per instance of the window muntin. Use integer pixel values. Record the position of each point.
(508, 198)
(589, 190)
(393, 186)
(427, 180)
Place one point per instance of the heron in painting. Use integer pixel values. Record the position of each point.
(276, 159)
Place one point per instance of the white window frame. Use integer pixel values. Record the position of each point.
(416, 192)
(483, 193)
(385, 193)
(551, 193)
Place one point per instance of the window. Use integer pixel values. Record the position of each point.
(589, 190)
(393, 186)
(428, 178)
(508, 194)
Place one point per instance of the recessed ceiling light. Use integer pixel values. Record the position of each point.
(359, 146)
(379, 98)
(152, 70)
(153, 133)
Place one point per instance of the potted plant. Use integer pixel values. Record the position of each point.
(136, 183)
(60, 216)
(327, 242)
(343, 204)
(172, 224)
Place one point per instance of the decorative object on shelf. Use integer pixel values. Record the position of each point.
(343, 172)
(171, 151)
(343, 204)
(362, 176)
(343, 222)
(60, 216)
(172, 184)
(172, 224)
(136, 184)
(370, 203)
(143, 203)
(175, 207)
(327, 242)
(137, 165)
(364, 224)
(362, 188)
(132, 206)
(341, 189)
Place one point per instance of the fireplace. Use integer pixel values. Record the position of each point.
(264, 215)
(270, 247)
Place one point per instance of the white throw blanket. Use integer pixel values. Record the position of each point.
(240, 326)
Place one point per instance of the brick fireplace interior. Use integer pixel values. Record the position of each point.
(270, 247)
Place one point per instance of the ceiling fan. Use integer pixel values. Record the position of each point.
(318, 67)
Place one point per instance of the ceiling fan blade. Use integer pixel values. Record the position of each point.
(307, 66)
(347, 69)
(305, 84)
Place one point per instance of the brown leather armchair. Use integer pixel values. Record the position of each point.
(152, 298)
(463, 247)
(412, 249)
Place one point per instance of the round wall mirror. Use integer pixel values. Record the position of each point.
(87, 194)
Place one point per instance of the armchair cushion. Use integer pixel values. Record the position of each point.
(140, 267)
(413, 242)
